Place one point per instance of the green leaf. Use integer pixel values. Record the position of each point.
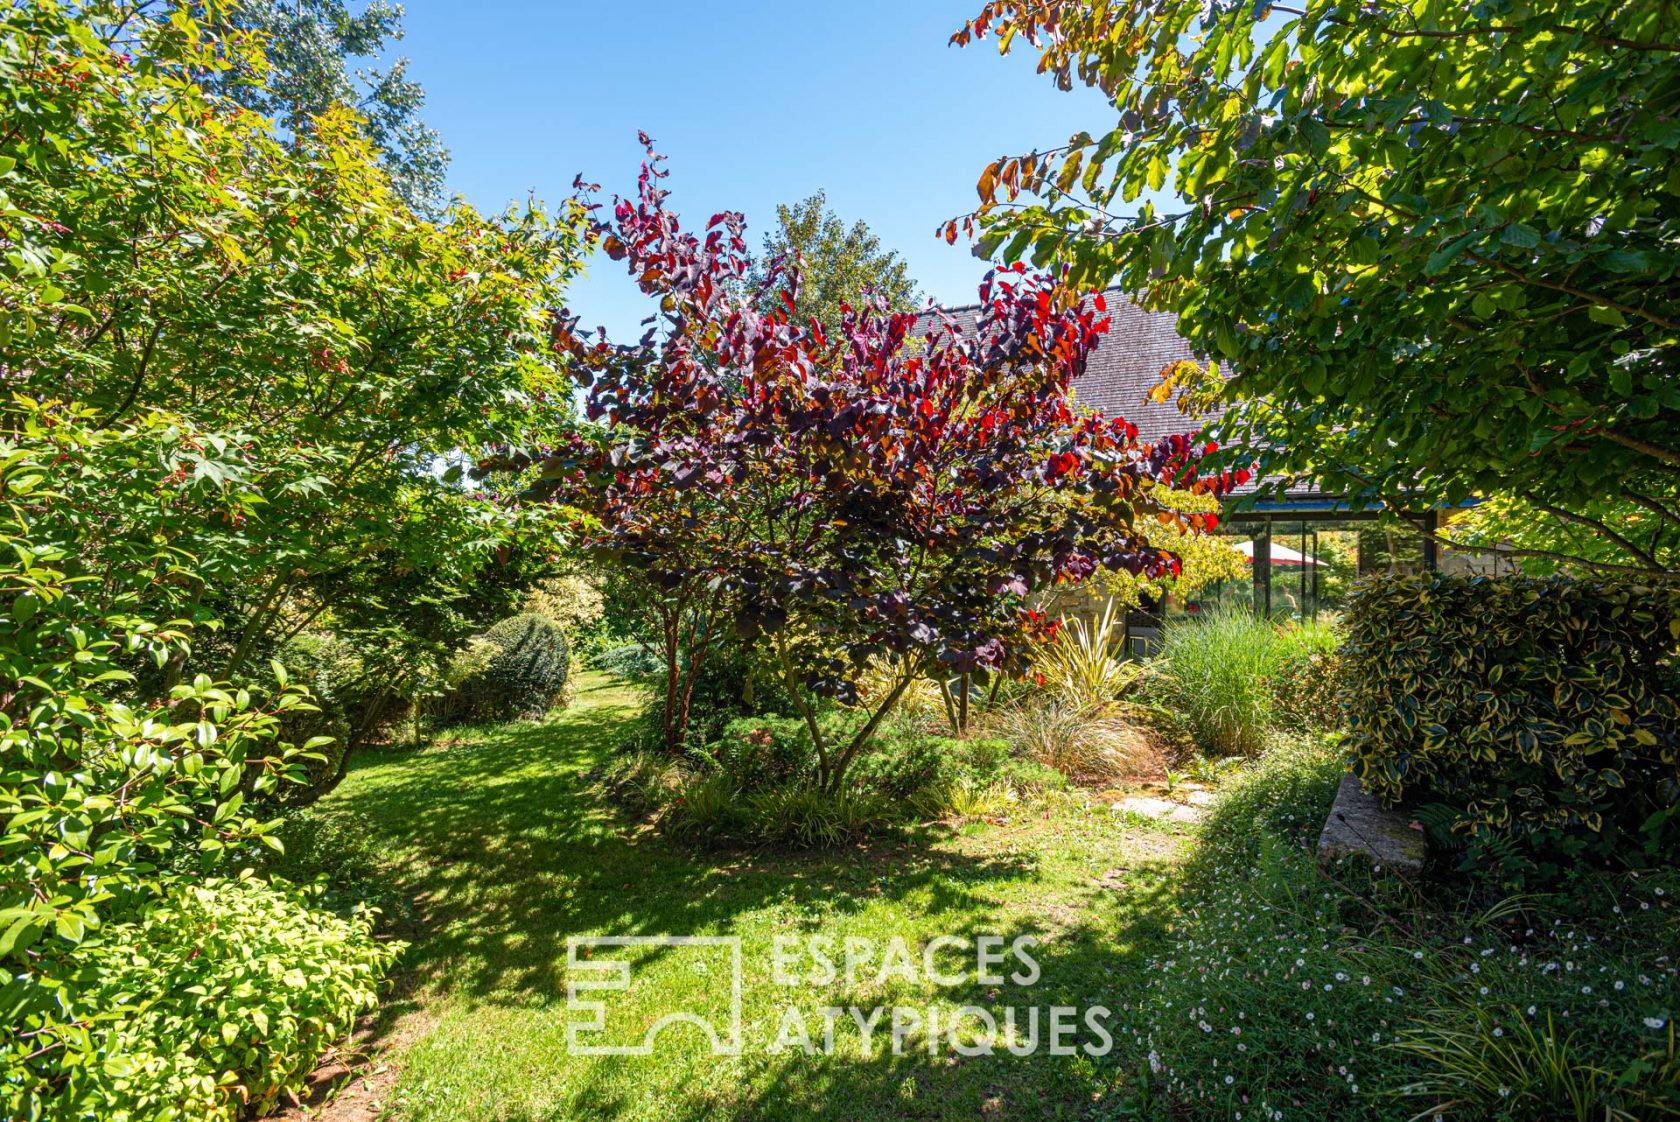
(21, 934)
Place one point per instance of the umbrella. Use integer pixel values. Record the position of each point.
(1281, 554)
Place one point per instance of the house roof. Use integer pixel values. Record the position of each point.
(1125, 366)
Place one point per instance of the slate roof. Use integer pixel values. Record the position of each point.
(1125, 366)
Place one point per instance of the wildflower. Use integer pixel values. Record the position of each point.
(1654, 1022)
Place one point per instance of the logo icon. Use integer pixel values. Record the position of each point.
(588, 974)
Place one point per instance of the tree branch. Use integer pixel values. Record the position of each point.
(1597, 526)
(1652, 505)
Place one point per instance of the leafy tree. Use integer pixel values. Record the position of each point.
(1601, 533)
(1434, 246)
(873, 496)
(309, 50)
(1204, 560)
(110, 779)
(839, 265)
(168, 252)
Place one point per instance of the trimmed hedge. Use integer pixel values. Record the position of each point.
(525, 676)
(1539, 711)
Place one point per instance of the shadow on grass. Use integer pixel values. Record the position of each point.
(507, 850)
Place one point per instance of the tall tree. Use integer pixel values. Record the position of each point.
(897, 493)
(839, 265)
(1435, 247)
(168, 254)
(313, 55)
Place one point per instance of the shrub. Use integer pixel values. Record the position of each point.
(806, 816)
(734, 681)
(632, 661)
(1098, 743)
(1083, 664)
(644, 781)
(525, 676)
(759, 752)
(908, 761)
(706, 808)
(111, 785)
(334, 852)
(1540, 712)
(1286, 993)
(1215, 671)
(572, 602)
(333, 673)
(1286, 793)
(1304, 684)
(217, 1002)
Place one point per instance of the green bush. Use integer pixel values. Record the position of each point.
(1286, 793)
(706, 808)
(1216, 672)
(1306, 681)
(1540, 713)
(630, 660)
(111, 786)
(332, 851)
(733, 682)
(215, 1004)
(907, 762)
(524, 677)
(758, 752)
(333, 673)
(1283, 992)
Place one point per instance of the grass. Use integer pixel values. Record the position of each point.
(1215, 671)
(1244, 982)
(507, 848)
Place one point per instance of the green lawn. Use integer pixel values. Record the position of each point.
(507, 848)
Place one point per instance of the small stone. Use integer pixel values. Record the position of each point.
(1146, 807)
(1358, 824)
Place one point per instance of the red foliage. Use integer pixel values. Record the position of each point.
(901, 490)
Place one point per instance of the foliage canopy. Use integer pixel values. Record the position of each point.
(898, 492)
(1434, 246)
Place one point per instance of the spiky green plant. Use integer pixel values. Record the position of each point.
(1085, 664)
(1217, 675)
(1520, 1071)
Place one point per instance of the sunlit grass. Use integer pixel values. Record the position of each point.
(501, 836)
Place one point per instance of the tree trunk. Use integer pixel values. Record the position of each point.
(370, 721)
(846, 757)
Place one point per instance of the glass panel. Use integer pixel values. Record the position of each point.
(1390, 547)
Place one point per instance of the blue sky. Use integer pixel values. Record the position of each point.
(755, 102)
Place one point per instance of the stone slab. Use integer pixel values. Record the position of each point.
(1147, 807)
(1358, 824)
